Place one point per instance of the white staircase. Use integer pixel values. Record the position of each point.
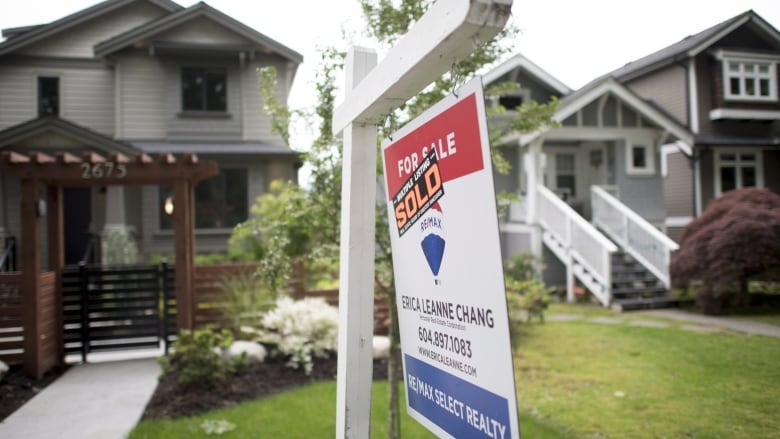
(585, 252)
(591, 256)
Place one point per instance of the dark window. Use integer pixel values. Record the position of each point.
(220, 202)
(728, 178)
(48, 96)
(638, 158)
(510, 102)
(203, 89)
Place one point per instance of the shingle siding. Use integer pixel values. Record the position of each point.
(666, 88)
(678, 186)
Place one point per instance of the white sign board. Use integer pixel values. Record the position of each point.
(449, 280)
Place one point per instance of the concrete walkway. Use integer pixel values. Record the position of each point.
(732, 323)
(692, 321)
(90, 401)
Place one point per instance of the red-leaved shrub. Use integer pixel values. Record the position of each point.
(736, 239)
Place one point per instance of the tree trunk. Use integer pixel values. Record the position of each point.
(393, 369)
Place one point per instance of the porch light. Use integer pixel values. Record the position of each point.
(168, 206)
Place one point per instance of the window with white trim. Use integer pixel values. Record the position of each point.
(640, 157)
(749, 80)
(565, 176)
(737, 169)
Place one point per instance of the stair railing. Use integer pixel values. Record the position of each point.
(587, 245)
(648, 245)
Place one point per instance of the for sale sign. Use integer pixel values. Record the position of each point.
(449, 281)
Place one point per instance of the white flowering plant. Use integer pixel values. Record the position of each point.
(301, 330)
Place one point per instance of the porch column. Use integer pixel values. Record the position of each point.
(31, 267)
(54, 214)
(533, 171)
(532, 165)
(184, 230)
(115, 223)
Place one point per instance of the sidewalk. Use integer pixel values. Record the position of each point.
(732, 323)
(90, 401)
(693, 321)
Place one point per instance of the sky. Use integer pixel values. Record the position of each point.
(573, 40)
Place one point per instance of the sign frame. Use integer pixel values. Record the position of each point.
(450, 292)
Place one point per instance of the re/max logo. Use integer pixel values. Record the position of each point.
(423, 188)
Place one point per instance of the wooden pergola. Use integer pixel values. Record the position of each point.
(67, 170)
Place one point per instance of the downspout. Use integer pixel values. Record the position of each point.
(693, 118)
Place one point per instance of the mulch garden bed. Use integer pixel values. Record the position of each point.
(170, 400)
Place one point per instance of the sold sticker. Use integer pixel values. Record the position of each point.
(423, 188)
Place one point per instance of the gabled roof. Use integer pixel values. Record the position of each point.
(64, 128)
(175, 19)
(695, 44)
(37, 33)
(578, 100)
(522, 63)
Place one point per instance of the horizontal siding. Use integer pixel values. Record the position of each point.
(88, 99)
(678, 186)
(79, 41)
(202, 31)
(256, 124)
(17, 95)
(142, 91)
(666, 88)
(642, 194)
(86, 95)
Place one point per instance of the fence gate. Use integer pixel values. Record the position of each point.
(117, 307)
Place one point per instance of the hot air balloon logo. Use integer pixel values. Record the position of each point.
(432, 243)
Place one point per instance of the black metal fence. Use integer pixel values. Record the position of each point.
(117, 307)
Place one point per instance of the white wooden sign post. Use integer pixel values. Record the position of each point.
(447, 33)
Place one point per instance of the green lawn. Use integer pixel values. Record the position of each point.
(614, 381)
(575, 379)
(307, 412)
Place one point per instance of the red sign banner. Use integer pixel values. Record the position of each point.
(453, 134)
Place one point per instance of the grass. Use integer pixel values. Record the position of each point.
(306, 412)
(605, 381)
(575, 379)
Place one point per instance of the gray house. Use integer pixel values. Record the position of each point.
(132, 76)
(591, 193)
(722, 84)
(637, 154)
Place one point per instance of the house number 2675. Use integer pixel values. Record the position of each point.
(103, 170)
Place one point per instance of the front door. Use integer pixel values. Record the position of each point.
(77, 215)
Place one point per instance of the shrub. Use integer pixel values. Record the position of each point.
(736, 240)
(529, 295)
(197, 358)
(301, 330)
(247, 297)
(522, 266)
(524, 290)
(120, 246)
